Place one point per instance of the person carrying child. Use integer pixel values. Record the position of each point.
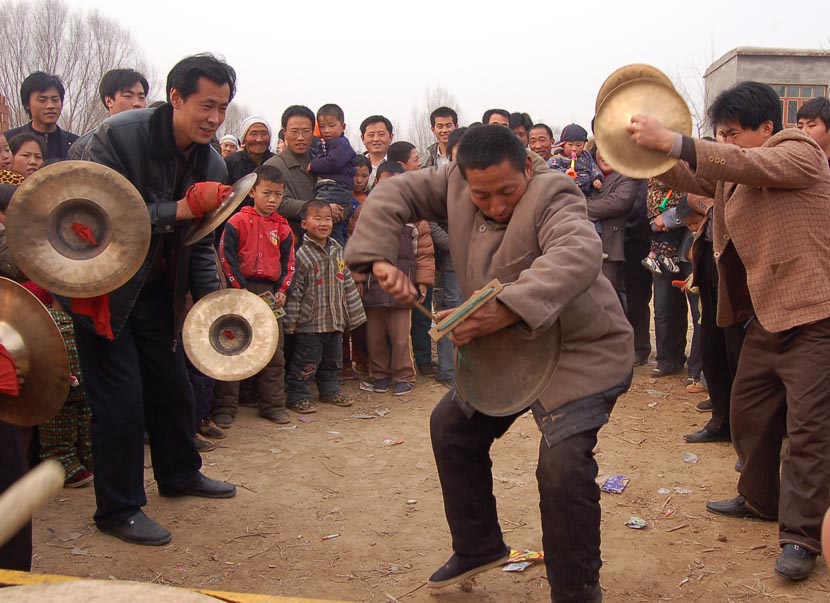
(333, 162)
(322, 303)
(257, 253)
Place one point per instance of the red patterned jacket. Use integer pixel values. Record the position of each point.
(258, 248)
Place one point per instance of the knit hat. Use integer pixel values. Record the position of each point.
(230, 138)
(574, 133)
(250, 121)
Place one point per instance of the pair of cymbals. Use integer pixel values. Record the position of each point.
(36, 347)
(632, 90)
(81, 229)
(230, 334)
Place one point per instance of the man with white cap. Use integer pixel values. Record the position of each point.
(255, 136)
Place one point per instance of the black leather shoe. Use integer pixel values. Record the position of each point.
(735, 507)
(665, 371)
(704, 436)
(138, 529)
(204, 487)
(795, 562)
(704, 406)
(640, 360)
(460, 567)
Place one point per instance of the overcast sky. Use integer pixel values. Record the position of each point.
(544, 57)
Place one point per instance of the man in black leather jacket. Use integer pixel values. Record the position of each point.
(136, 377)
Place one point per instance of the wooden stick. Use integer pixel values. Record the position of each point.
(27, 495)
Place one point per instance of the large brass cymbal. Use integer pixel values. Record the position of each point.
(91, 591)
(47, 248)
(230, 334)
(505, 372)
(626, 73)
(34, 342)
(214, 219)
(645, 97)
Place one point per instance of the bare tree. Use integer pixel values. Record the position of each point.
(420, 132)
(235, 115)
(688, 81)
(78, 46)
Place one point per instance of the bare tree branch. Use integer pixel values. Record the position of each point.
(420, 132)
(78, 46)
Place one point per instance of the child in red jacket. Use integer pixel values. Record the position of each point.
(257, 254)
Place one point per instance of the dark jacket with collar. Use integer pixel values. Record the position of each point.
(240, 164)
(610, 206)
(54, 150)
(140, 146)
(299, 187)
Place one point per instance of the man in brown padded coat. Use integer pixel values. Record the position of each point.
(511, 218)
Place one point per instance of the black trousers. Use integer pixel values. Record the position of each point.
(419, 331)
(317, 357)
(638, 283)
(720, 347)
(16, 554)
(671, 320)
(568, 493)
(137, 382)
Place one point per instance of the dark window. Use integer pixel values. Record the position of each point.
(793, 96)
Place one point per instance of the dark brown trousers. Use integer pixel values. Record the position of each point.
(782, 387)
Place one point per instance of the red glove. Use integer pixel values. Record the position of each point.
(98, 309)
(203, 197)
(8, 374)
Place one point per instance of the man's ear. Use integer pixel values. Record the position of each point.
(109, 102)
(767, 128)
(528, 167)
(176, 99)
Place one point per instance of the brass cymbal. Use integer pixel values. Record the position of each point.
(31, 336)
(645, 97)
(214, 219)
(41, 221)
(635, 71)
(230, 334)
(505, 372)
(112, 591)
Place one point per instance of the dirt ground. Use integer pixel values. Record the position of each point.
(343, 474)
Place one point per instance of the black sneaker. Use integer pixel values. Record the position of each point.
(795, 562)
(460, 567)
(704, 406)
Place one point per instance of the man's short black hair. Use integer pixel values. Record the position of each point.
(118, 80)
(542, 126)
(39, 82)
(20, 139)
(389, 167)
(362, 161)
(487, 146)
(485, 119)
(454, 137)
(816, 108)
(443, 112)
(6, 192)
(268, 173)
(184, 76)
(399, 151)
(297, 111)
(748, 104)
(313, 205)
(331, 110)
(520, 119)
(375, 119)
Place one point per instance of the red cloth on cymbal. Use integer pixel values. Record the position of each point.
(39, 292)
(8, 374)
(203, 197)
(98, 309)
(85, 232)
